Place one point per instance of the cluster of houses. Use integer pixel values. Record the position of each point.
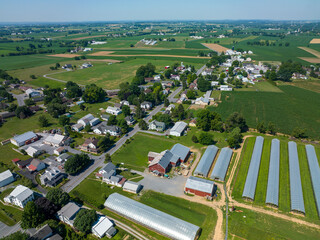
(108, 174)
(21, 195)
(102, 227)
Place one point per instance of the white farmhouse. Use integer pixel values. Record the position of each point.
(113, 110)
(20, 196)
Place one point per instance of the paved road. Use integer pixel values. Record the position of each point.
(200, 70)
(20, 98)
(6, 230)
(99, 160)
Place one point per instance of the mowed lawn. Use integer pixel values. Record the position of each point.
(250, 225)
(284, 187)
(294, 107)
(135, 154)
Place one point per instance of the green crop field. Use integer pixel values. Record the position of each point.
(27, 61)
(294, 107)
(250, 225)
(284, 190)
(110, 76)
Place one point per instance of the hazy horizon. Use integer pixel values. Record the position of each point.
(45, 11)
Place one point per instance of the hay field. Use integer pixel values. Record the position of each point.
(215, 47)
(65, 55)
(315, 41)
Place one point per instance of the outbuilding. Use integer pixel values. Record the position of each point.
(178, 129)
(6, 178)
(200, 187)
(25, 138)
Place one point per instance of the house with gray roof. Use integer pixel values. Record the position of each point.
(158, 126)
(52, 177)
(68, 213)
(20, 196)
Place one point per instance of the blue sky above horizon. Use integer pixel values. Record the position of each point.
(140, 10)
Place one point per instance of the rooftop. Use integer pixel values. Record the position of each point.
(200, 184)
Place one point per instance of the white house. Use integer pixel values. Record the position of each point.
(84, 121)
(124, 102)
(77, 127)
(175, 77)
(156, 125)
(178, 129)
(157, 77)
(68, 213)
(6, 178)
(207, 71)
(113, 110)
(146, 105)
(20, 196)
(103, 227)
(103, 128)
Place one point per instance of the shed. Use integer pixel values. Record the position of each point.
(6, 178)
(200, 187)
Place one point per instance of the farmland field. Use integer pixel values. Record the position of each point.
(250, 225)
(284, 191)
(295, 107)
(110, 76)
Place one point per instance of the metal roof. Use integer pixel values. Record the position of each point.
(297, 203)
(252, 177)
(24, 137)
(180, 150)
(101, 226)
(5, 175)
(69, 210)
(206, 161)
(315, 173)
(161, 222)
(21, 193)
(273, 178)
(200, 184)
(179, 127)
(220, 168)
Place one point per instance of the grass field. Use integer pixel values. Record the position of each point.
(295, 107)
(27, 61)
(263, 86)
(138, 149)
(110, 76)
(250, 225)
(312, 85)
(284, 191)
(42, 82)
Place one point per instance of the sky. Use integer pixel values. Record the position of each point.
(143, 10)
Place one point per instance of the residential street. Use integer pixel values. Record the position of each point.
(6, 230)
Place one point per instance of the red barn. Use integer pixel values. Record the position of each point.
(200, 187)
(161, 163)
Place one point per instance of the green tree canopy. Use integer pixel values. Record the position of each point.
(206, 138)
(94, 94)
(32, 216)
(84, 220)
(76, 163)
(57, 196)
